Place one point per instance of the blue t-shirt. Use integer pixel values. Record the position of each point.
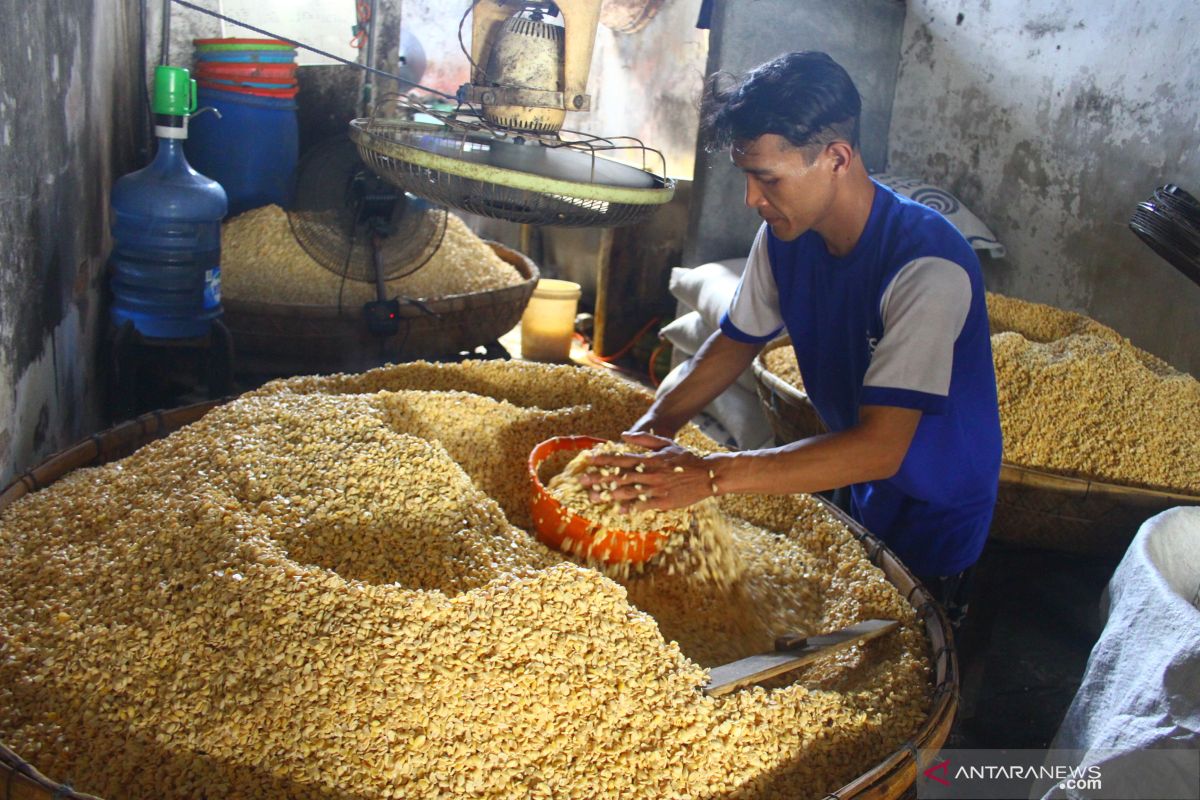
(901, 320)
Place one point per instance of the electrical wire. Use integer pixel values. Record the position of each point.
(475, 70)
(148, 105)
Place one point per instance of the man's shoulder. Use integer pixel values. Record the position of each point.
(910, 230)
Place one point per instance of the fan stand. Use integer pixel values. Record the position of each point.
(382, 315)
(362, 228)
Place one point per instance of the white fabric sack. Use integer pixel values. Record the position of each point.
(1141, 688)
(978, 235)
(687, 333)
(738, 411)
(708, 288)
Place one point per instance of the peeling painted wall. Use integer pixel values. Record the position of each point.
(185, 26)
(648, 84)
(69, 111)
(1051, 121)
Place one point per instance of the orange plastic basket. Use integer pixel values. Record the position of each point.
(555, 524)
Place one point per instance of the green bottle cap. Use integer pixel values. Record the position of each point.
(174, 91)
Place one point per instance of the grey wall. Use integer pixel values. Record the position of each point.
(647, 84)
(1051, 121)
(69, 123)
(862, 35)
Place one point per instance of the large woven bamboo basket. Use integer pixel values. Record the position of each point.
(20, 779)
(1034, 508)
(292, 339)
(890, 779)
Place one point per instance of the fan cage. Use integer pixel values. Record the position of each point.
(394, 147)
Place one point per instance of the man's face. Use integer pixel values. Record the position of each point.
(788, 191)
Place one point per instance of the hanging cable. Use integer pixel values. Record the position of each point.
(165, 53)
(475, 70)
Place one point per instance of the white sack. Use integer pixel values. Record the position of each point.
(737, 410)
(687, 333)
(1141, 689)
(708, 288)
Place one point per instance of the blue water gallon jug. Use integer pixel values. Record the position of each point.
(166, 258)
(251, 149)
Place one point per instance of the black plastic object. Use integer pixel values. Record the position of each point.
(1169, 223)
(383, 317)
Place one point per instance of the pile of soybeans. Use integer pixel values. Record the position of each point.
(262, 261)
(327, 589)
(1078, 399)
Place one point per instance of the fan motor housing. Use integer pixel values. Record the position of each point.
(527, 73)
(527, 57)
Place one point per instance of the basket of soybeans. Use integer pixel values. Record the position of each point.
(781, 392)
(330, 588)
(1099, 435)
(289, 315)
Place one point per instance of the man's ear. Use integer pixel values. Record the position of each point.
(842, 154)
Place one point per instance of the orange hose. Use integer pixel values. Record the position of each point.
(653, 358)
(628, 345)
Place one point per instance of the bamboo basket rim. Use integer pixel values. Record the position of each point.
(23, 778)
(523, 263)
(898, 769)
(1010, 472)
(759, 366)
(904, 764)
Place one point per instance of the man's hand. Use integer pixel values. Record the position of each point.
(668, 477)
(711, 371)
(671, 477)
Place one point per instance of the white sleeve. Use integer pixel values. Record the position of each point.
(923, 309)
(753, 314)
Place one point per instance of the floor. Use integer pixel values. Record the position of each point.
(1033, 620)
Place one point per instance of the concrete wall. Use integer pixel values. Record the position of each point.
(861, 35)
(1052, 121)
(647, 84)
(70, 122)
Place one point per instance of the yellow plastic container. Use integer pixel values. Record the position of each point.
(548, 323)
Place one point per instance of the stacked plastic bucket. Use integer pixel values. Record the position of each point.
(251, 149)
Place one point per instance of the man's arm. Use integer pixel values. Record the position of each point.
(872, 450)
(711, 371)
(672, 477)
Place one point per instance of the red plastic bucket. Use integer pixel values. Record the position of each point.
(555, 524)
(241, 44)
(264, 73)
(257, 91)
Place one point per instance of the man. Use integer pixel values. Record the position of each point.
(884, 301)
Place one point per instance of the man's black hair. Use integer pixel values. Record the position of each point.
(807, 98)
